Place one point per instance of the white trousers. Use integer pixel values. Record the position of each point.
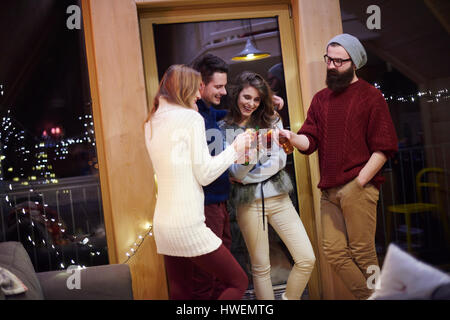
(284, 219)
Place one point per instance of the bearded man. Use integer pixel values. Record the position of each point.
(350, 125)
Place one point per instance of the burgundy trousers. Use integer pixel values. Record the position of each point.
(220, 263)
(205, 286)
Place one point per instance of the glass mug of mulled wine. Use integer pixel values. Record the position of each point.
(254, 133)
(284, 142)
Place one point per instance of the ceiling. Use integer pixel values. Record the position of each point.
(414, 35)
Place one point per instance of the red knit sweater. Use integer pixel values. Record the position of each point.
(348, 128)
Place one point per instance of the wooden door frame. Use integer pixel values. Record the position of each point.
(120, 104)
(289, 59)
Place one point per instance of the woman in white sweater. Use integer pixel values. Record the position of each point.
(175, 140)
(260, 193)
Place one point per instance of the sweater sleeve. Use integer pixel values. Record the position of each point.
(310, 128)
(220, 114)
(205, 167)
(381, 135)
(236, 170)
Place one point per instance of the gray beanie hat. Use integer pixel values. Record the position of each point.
(353, 47)
(277, 71)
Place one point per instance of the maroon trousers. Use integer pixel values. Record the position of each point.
(204, 285)
(219, 263)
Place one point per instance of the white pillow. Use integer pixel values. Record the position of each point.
(405, 277)
(10, 284)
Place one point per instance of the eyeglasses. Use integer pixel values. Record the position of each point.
(337, 61)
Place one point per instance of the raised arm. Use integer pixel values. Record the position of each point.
(269, 165)
(306, 139)
(205, 167)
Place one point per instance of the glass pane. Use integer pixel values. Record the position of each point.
(182, 43)
(414, 206)
(50, 196)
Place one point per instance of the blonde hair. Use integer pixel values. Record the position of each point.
(178, 85)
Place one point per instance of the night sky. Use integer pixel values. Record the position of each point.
(44, 72)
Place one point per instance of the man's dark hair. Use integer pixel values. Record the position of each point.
(207, 65)
(334, 44)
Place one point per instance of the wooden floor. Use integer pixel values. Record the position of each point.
(278, 291)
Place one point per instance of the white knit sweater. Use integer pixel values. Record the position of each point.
(176, 142)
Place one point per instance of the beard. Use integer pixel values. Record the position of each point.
(339, 81)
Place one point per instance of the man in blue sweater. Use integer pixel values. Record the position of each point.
(214, 77)
(214, 73)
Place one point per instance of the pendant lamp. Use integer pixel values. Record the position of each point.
(250, 52)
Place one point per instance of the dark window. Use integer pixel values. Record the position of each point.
(50, 196)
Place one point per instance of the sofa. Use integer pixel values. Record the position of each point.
(106, 282)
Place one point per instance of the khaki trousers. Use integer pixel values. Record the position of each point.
(283, 217)
(348, 231)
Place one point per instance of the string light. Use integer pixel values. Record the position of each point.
(38, 161)
(140, 239)
(149, 232)
(442, 94)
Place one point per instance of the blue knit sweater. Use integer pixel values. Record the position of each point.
(218, 190)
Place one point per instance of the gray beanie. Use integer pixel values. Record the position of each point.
(353, 47)
(277, 71)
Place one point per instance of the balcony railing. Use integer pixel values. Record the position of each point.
(59, 224)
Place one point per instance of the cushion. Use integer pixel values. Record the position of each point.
(107, 282)
(10, 284)
(404, 277)
(14, 258)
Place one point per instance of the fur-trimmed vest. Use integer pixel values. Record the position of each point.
(245, 193)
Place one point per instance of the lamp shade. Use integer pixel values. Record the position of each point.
(250, 53)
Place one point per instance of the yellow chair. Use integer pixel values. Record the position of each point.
(420, 206)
